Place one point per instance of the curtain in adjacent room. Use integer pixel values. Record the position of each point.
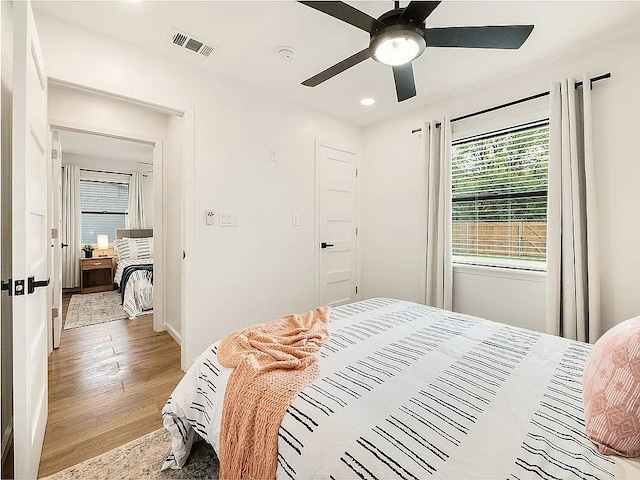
(436, 150)
(71, 231)
(573, 287)
(136, 217)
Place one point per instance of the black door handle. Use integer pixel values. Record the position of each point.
(325, 245)
(32, 284)
(63, 245)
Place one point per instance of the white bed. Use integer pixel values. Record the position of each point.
(413, 392)
(134, 255)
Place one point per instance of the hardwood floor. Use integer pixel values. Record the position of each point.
(107, 386)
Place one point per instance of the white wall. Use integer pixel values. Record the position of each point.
(76, 107)
(264, 267)
(515, 298)
(393, 192)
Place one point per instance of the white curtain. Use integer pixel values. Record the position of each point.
(71, 227)
(136, 217)
(573, 286)
(436, 148)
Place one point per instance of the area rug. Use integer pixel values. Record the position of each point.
(93, 308)
(143, 458)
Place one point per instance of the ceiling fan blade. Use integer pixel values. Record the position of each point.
(503, 36)
(337, 68)
(417, 12)
(348, 14)
(405, 83)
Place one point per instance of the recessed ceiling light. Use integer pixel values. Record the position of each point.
(367, 101)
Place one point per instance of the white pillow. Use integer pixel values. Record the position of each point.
(126, 248)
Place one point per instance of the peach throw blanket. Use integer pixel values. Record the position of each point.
(272, 362)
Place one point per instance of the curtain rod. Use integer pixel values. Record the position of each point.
(516, 102)
(105, 171)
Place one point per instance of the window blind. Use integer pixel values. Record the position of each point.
(104, 209)
(499, 196)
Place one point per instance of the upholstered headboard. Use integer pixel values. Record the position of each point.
(135, 233)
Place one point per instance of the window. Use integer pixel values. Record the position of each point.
(104, 209)
(499, 197)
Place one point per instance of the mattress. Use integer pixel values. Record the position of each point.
(412, 392)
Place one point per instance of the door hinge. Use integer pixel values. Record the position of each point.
(356, 172)
(54, 233)
(54, 312)
(54, 154)
(7, 286)
(356, 289)
(356, 231)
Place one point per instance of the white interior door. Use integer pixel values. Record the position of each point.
(336, 173)
(55, 211)
(30, 244)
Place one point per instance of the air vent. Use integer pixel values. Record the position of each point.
(190, 42)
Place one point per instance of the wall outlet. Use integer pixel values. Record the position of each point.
(211, 217)
(273, 156)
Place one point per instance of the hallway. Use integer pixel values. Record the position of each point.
(107, 386)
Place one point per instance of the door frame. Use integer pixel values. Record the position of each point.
(158, 196)
(318, 142)
(55, 221)
(187, 138)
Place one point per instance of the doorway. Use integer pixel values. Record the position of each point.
(117, 375)
(105, 191)
(110, 120)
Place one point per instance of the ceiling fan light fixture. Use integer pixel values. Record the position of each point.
(397, 45)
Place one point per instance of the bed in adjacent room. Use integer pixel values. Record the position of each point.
(133, 251)
(413, 392)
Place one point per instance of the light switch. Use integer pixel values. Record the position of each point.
(273, 156)
(295, 219)
(228, 219)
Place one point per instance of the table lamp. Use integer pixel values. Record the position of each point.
(103, 244)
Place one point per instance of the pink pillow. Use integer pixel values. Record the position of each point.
(611, 390)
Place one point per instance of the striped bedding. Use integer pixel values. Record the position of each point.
(138, 293)
(413, 392)
(122, 264)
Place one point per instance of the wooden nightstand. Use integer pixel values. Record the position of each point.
(96, 274)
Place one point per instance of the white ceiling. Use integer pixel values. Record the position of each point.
(107, 148)
(247, 34)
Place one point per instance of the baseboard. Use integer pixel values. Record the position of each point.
(172, 331)
(6, 440)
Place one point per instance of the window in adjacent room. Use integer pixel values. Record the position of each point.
(499, 197)
(104, 209)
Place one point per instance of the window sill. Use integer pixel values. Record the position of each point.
(501, 272)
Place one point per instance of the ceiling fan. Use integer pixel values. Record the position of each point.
(399, 36)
